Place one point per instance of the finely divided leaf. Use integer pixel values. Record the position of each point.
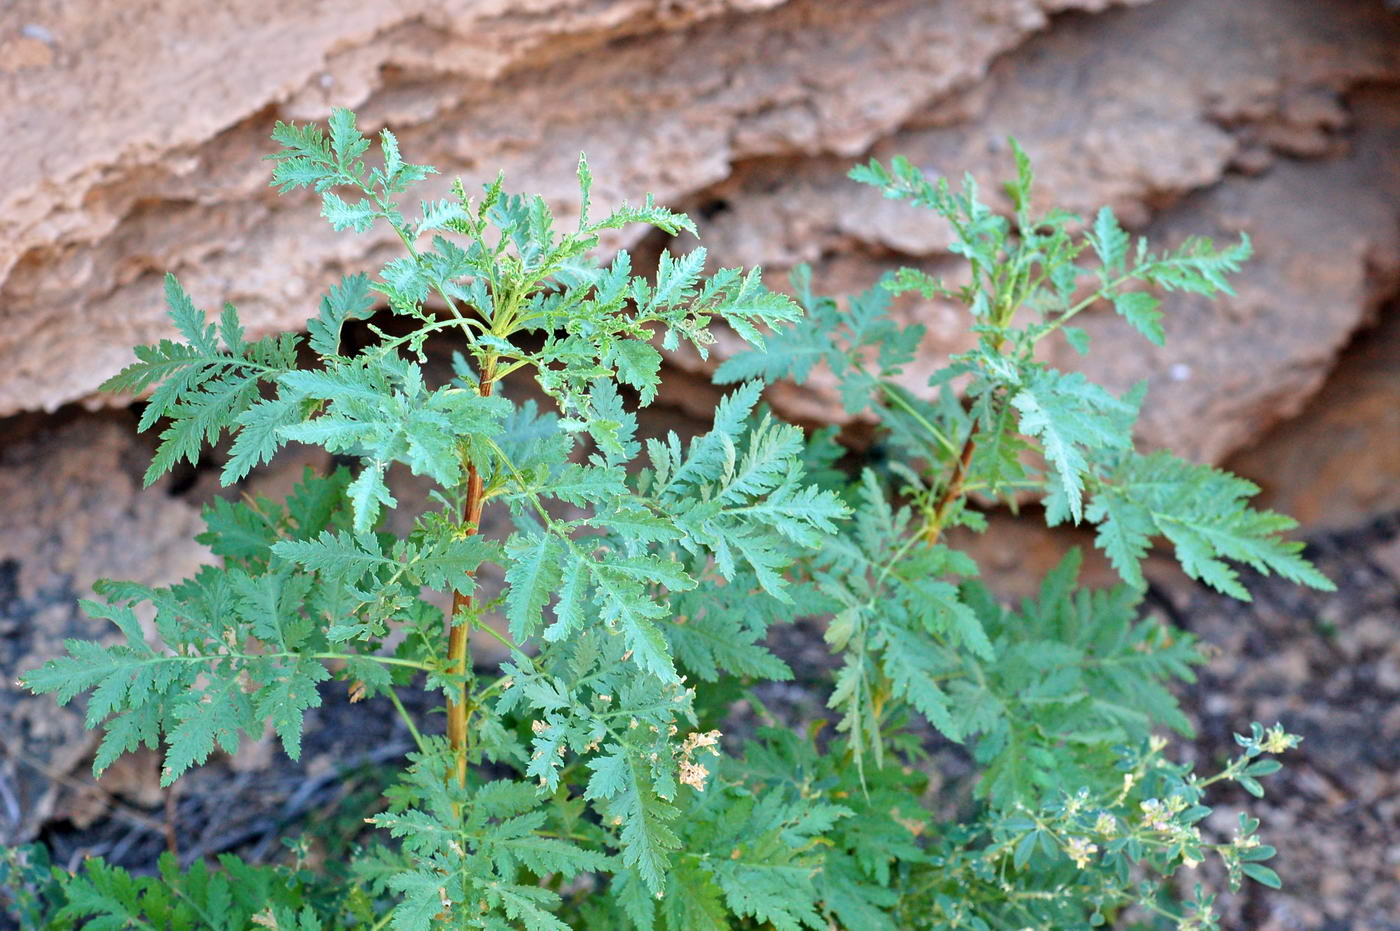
(1204, 513)
(646, 833)
(1141, 310)
(533, 574)
(348, 300)
(1109, 241)
(1073, 419)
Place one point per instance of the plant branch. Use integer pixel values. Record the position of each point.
(458, 624)
(407, 719)
(953, 489)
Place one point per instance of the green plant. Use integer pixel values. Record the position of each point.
(584, 784)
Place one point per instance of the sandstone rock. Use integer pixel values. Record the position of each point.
(74, 512)
(1149, 110)
(1334, 466)
(665, 96)
(1132, 108)
(1327, 252)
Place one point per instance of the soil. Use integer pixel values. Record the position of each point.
(1325, 665)
(1328, 667)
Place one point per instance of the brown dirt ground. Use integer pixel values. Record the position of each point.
(1326, 665)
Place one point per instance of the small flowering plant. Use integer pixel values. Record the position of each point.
(588, 782)
(1153, 818)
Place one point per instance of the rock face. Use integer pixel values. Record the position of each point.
(1164, 114)
(1334, 466)
(1188, 116)
(664, 96)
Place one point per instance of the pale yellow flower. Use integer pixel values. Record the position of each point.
(1081, 851)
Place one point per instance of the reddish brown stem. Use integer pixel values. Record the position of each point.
(954, 489)
(459, 629)
(955, 483)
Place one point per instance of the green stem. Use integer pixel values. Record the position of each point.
(407, 719)
(1099, 294)
(385, 660)
(502, 639)
(894, 395)
(384, 347)
(524, 486)
(1028, 485)
(208, 657)
(413, 253)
